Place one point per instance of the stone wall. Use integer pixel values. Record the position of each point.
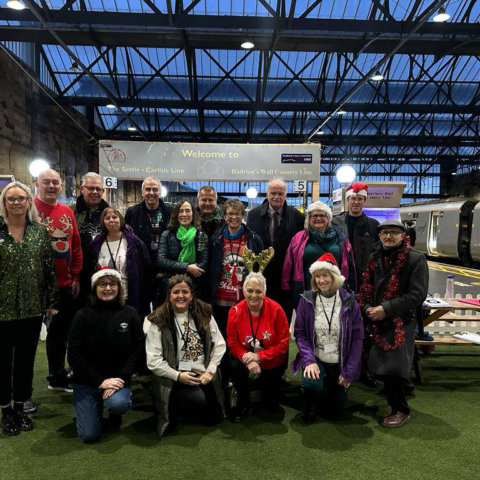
(31, 130)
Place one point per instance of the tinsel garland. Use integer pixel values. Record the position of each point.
(392, 290)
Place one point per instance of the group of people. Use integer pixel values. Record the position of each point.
(199, 274)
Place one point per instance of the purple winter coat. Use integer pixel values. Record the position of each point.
(351, 334)
(139, 269)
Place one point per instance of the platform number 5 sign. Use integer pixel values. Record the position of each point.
(300, 186)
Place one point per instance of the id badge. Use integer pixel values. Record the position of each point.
(185, 365)
(329, 347)
(154, 246)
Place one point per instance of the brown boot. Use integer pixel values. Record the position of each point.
(395, 420)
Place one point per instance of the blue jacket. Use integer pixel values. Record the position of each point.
(253, 242)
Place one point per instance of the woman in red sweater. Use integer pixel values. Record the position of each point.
(257, 336)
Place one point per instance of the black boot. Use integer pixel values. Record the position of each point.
(368, 380)
(310, 414)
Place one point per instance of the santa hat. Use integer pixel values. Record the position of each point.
(326, 262)
(318, 205)
(105, 272)
(357, 189)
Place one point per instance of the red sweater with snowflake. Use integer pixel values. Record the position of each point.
(272, 333)
(67, 250)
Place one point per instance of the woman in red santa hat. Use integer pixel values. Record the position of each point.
(329, 336)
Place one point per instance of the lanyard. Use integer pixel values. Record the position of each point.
(333, 311)
(238, 249)
(187, 328)
(254, 334)
(114, 260)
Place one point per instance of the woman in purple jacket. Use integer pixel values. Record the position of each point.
(329, 336)
(118, 248)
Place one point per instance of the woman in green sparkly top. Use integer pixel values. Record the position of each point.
(28, 290)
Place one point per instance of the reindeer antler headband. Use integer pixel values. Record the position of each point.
(263, 258)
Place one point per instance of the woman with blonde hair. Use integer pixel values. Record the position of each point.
(28, 291)
(329, 335)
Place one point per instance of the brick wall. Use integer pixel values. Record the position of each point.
(31, 130)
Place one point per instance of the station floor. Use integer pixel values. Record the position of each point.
(467, 280)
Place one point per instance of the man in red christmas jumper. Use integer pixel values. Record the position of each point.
(62, 228)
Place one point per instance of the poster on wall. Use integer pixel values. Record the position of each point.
(209, 161)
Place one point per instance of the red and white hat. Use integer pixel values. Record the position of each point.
(105, 272)
(357, 189)
(326, 262)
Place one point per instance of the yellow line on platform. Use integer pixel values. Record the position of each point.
(466, 272)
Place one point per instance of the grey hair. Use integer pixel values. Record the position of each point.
(152, 178)
(255, 277)
(207, 188)
(32, 214)
(91, 175)
(279, 181)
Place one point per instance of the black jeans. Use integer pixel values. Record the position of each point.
(395, 391)
(220, 313)
(197, 404)
(18, 346)
(57, 336)
(270, 383)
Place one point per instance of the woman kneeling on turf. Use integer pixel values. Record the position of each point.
(329, 335)
(184, 349)
(105, 347)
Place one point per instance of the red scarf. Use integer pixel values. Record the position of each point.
(366, 296)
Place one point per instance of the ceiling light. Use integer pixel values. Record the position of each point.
(454, 173)
(163, 191)
(341, 112)
(75, 67)
(110, 105)
(247, 44)
(441, 16)
(38, 166)
(320, 132)
(346, 174)
(252, 193)
(378, 77)
(132, 128)
(16, 5)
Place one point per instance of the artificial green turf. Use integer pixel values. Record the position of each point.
(440, 442)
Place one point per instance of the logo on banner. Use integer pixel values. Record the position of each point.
(116, 155)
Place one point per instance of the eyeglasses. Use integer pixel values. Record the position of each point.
(392, 233)
(317, 217)
(12, 200)
(94, 189)
(233, 215)
(104, 285)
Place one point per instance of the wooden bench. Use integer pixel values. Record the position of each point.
(428, 347)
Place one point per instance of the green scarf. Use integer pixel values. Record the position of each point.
(187, 239)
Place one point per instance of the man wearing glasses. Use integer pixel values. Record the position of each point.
(149, 219)
(394, 286)
(89, 207)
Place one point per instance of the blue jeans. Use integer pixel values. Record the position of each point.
(88, 405)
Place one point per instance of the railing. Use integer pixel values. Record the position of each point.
(443, 328)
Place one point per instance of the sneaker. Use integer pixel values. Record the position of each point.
(10, 426)
(30, 406)
(60, 387)
(23, 421)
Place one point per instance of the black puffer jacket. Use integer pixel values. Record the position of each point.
(168, 264)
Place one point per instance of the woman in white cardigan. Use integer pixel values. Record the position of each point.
(184, 349)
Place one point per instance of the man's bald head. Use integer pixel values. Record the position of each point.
(276, 193)
(49, 186)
